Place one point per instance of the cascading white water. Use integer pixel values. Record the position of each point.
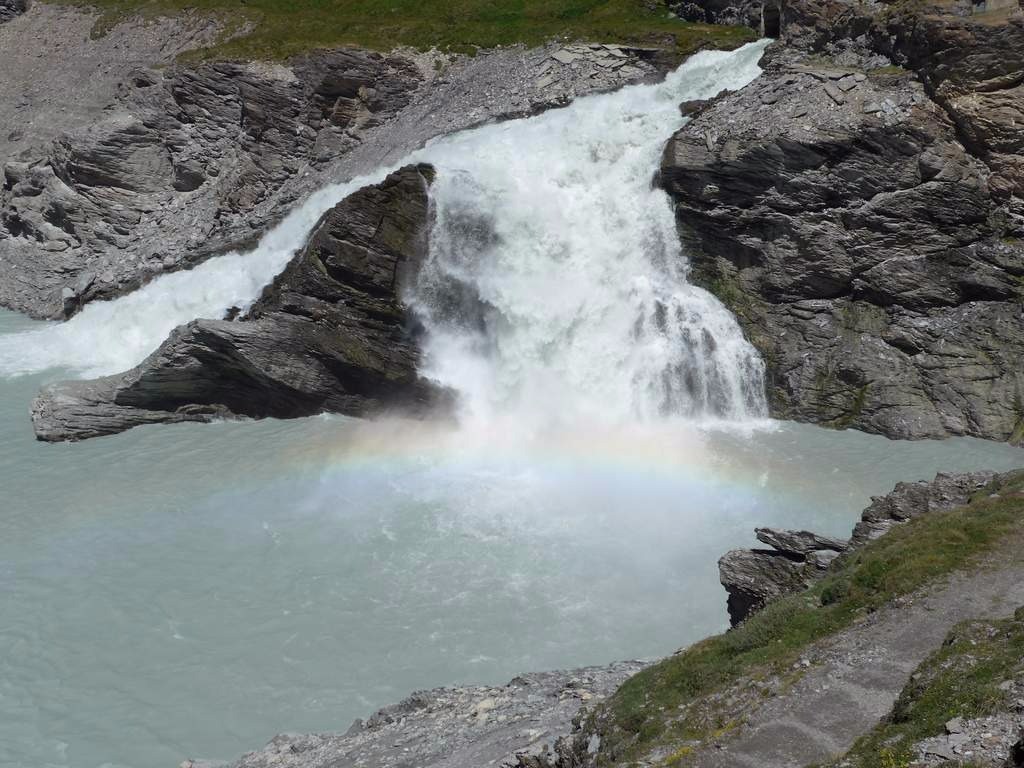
(556, 288)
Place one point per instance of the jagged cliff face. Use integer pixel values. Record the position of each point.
(864, 220)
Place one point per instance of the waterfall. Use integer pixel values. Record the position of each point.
(556, 288)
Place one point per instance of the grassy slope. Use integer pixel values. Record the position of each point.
(643, 716)
(286, 27)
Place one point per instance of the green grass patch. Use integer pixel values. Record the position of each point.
(282, 28)
(961, 679)
(645, 715)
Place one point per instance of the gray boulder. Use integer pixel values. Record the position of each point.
(799, 543)
(908, 500)
(329, 334)
(755, 577)
(191, 162)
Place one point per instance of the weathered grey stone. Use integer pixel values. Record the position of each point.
(11, 8)
(908, 500)
(801, 543)
(755, 577)
(162, 166)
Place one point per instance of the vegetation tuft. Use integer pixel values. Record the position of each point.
(278, 29)
(647, 714)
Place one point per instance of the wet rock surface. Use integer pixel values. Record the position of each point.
(156, 167)
(329, 334)
(866, 251)
(796, 559)
(518, 724)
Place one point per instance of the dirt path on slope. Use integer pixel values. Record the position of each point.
(854, 677)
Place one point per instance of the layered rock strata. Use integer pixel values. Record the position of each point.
(329, 334)
(793, 560)
(11, 8)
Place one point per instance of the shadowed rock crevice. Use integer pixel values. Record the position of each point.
(329, 334)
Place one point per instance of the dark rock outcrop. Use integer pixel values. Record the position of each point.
(747, 13)
(973, 66)
(11, 8)
(329, 334)
(864, 249)
(908, 500)
(755, 577)
(969, 56)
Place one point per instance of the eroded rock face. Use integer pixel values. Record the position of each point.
(862, 247)
(755, 577)
(329, 334)
(909, 500)
(969, 56)
(973, 65)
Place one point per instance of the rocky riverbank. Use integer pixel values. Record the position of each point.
(793, 560)
(517, 724)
